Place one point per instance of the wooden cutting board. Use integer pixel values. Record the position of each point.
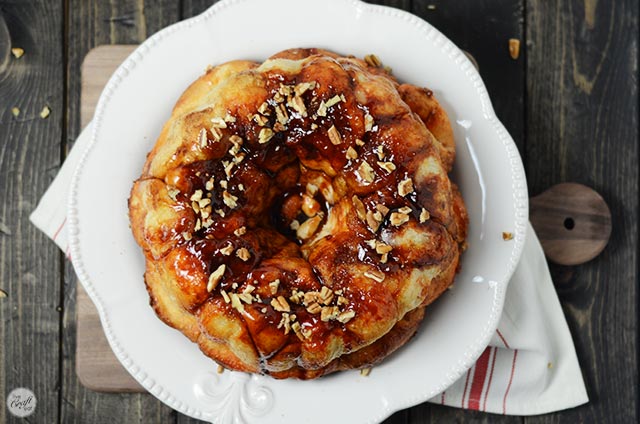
(571, 220)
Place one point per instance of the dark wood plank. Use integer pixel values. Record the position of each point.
(30, 265)
(447, 414)
(92, 23)
(582, 126)
(195, 7)
(482, 28)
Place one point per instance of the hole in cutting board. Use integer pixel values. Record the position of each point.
(569, 223)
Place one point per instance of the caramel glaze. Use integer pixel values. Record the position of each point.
(274, 177)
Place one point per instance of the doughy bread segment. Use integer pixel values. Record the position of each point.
(296, 215)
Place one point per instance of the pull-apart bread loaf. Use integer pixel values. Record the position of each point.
(296, 215)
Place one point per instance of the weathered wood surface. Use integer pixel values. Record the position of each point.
(570, 102)
(582, 126)
(30, 265)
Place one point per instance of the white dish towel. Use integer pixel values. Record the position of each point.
(530, 366)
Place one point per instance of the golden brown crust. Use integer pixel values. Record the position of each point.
(424, 104)
(296, 215)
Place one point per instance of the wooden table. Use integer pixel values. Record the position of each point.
(570, 100)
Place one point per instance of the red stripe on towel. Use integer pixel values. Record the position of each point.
(503, 339)
(493, 364)
(59, 229)
(466, 383)
(506, 393)
(478, 379)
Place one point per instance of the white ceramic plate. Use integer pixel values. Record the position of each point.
(137, 101)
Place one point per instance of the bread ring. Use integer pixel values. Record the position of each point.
(296, 215)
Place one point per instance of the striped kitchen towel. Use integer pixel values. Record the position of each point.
(530, 367)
